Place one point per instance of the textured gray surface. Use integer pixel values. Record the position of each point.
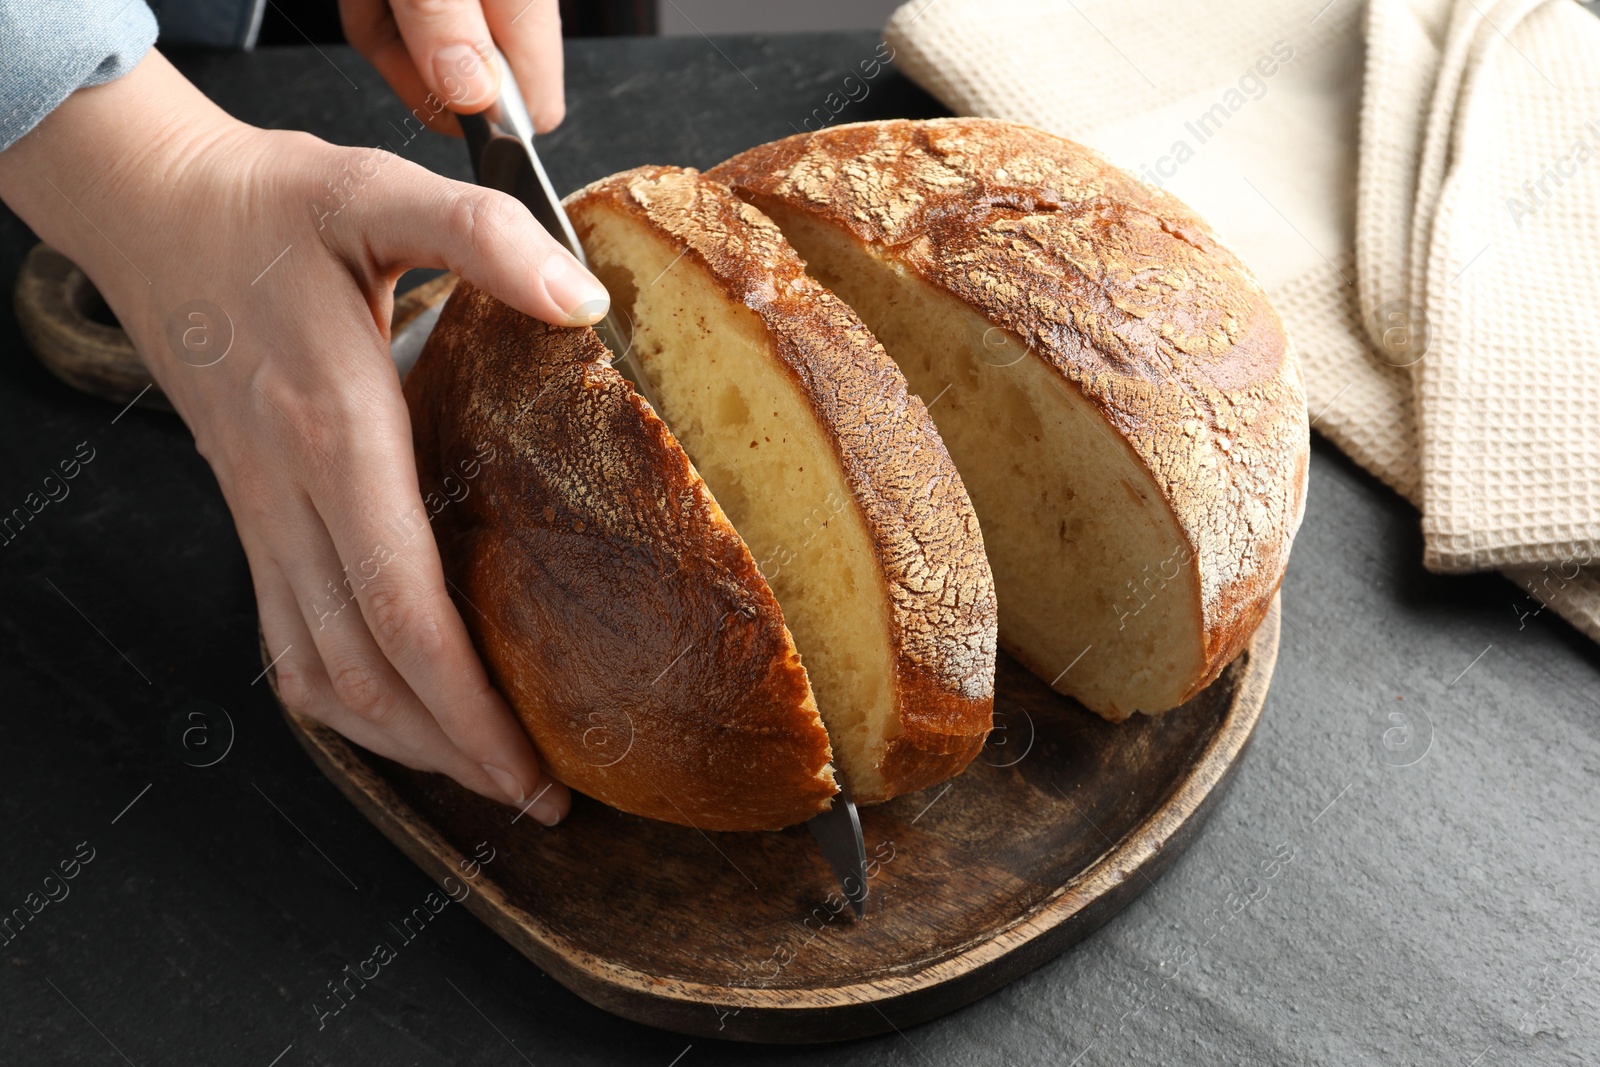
(690, 18)
(1340, 908)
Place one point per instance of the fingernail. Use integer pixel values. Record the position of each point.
(506, 782)
(546, 810)
(463, 75)
(575, 290)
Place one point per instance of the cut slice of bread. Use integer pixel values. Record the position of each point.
(614, 604)
(829, 468)
(1118, 394)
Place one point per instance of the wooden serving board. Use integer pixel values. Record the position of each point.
(1061, 821)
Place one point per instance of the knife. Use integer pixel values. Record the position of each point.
(500, 139)
(838, 835)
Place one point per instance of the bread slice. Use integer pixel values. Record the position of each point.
(831, 471)
(612, 601)
(1119, 396)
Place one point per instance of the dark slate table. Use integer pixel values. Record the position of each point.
(1432, 899)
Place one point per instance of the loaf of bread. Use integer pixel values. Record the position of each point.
(610, 598)
(1119, 397)
(829, 468)
(615, 601)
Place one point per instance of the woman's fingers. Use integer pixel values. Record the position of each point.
(529, 35)
(450, 46)
(370, 28)
(299, 677)
(376, 603)
(487, 237)
(379, 652)
(330, 667)
(341, 675)
(447, 48)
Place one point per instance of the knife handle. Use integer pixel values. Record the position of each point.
(500, 139)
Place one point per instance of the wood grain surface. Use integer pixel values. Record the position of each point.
(1060, 822)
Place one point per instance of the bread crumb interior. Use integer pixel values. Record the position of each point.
(745, 423)
(1098, 590)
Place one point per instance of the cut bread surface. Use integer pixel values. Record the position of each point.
(1086, 553)
(1120, 398)
(829, 469)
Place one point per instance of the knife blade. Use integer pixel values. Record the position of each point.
(500, 139)
(838, 835)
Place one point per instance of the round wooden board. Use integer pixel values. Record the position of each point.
(1060, 822)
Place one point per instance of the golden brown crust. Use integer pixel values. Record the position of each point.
(903, 482)
(615, 606)
(1116, 286)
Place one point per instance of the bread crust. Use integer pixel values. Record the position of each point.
(1114, 285)
(936, 578)
(612, 601)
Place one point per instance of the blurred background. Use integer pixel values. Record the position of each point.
(296, 21)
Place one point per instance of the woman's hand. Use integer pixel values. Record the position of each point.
(446, 48)
(292, 246)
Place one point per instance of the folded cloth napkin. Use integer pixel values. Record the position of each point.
(1415, 183)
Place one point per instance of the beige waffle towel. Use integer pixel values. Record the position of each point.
(1447, 315)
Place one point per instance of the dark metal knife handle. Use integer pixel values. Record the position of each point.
(500, 139)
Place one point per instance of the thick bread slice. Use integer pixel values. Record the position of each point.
(1118, 394)
(615, 606)
(831, 471)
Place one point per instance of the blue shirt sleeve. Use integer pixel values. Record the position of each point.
(48, 50)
